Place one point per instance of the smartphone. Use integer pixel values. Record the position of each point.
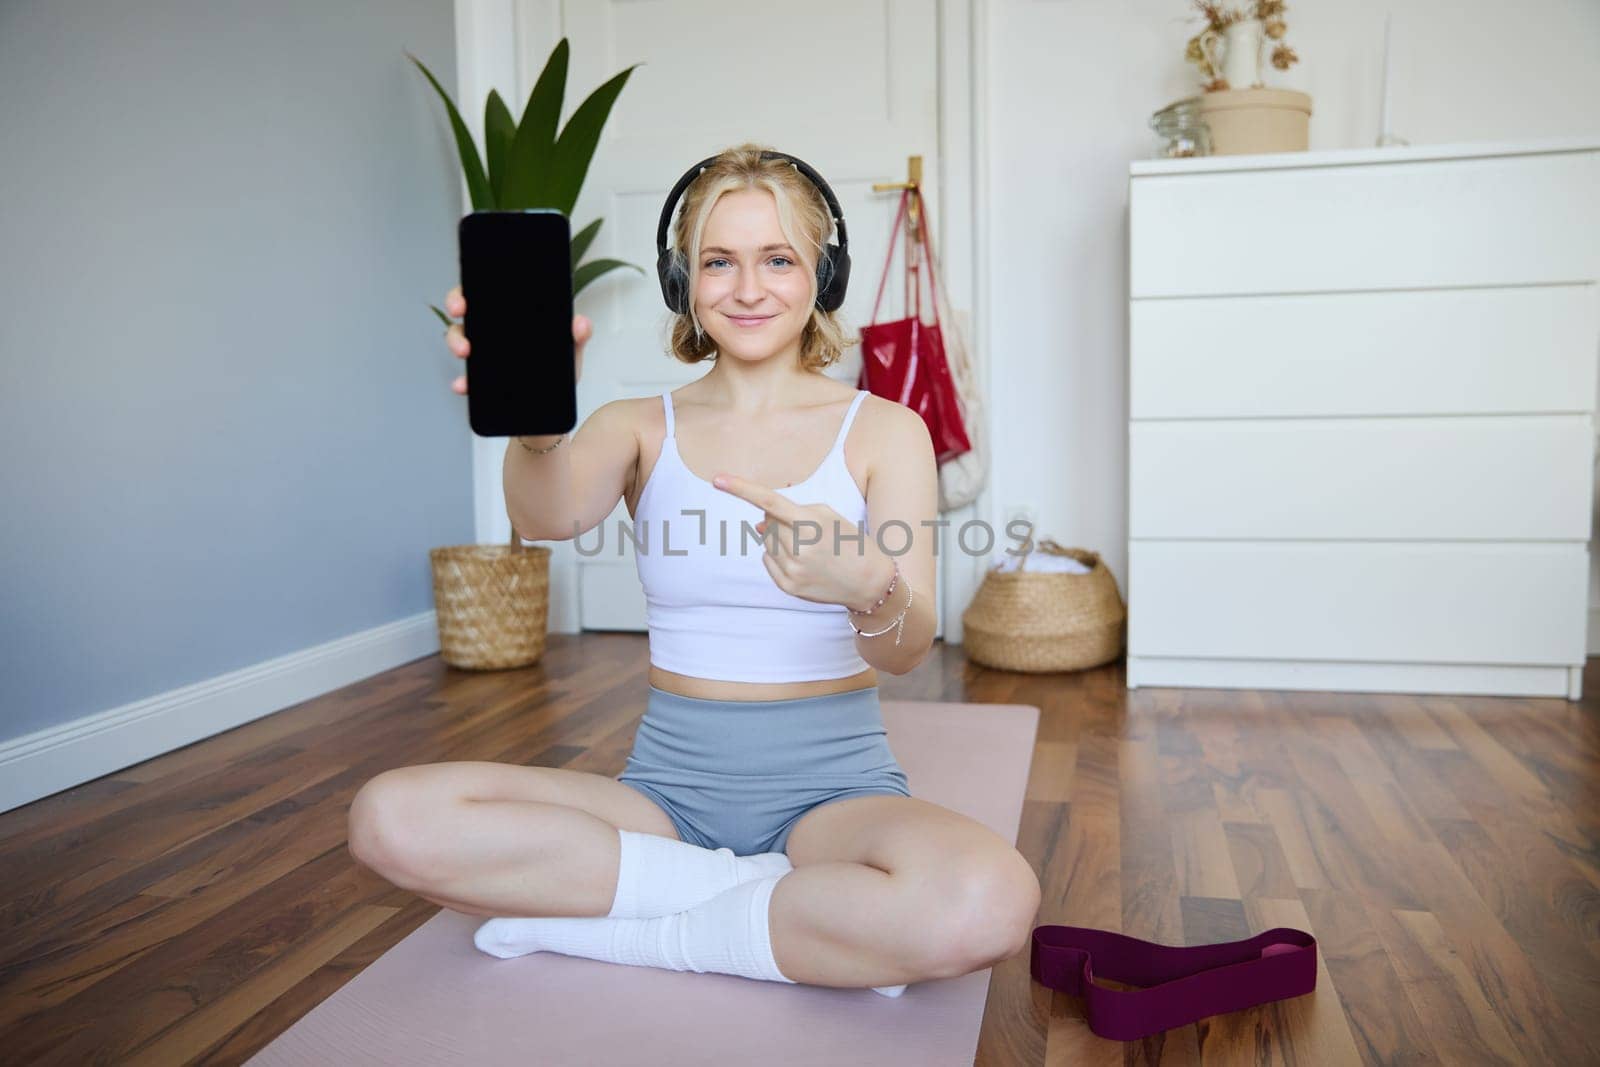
(516, 276)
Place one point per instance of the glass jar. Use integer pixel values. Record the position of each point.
(1180, 131)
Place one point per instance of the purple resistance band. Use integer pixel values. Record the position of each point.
(1178, 985)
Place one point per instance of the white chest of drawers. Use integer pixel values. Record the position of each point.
(1362, 418)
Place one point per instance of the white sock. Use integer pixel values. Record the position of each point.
(660, 875)
(728, 934)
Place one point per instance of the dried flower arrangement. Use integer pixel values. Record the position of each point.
(1218, 18)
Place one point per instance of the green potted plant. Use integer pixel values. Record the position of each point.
(492, 601)
(529, 164)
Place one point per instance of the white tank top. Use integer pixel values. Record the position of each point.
(713, 610)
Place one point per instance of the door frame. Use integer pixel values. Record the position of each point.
(491, 34)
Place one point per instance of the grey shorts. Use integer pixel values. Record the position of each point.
(740, 773)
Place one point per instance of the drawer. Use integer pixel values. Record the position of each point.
(1497, 477)
(1499, 220)
(1386, 353)
(1419, 603)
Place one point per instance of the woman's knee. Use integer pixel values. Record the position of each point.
(386, 826)
(406, 823)
(982, 909)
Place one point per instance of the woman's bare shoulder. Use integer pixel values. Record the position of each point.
(625, 416)
(614, 432)
(643, 407)
(638, 414)
(896, 439)
(641, 419)
(888, 421)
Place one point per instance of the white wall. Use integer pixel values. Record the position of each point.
(1071, 86)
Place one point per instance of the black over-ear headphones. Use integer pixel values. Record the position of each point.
(833, 267)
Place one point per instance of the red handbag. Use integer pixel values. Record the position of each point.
(904, 361)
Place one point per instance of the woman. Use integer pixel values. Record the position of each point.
(762, 826)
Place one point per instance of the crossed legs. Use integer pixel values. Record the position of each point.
(884, 890)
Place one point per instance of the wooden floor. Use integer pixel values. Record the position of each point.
(1445, 852)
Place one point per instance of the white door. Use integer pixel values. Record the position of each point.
(851, 88)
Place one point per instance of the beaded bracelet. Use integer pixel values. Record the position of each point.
(887, 593)
(541, 451)
(898, 625)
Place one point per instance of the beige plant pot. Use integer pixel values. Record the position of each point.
(1245, 121)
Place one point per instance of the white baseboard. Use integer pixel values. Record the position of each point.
(60, 757)
(1331, 676)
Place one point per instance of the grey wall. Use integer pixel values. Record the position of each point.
(226, 428)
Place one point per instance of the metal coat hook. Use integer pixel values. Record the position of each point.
(913, 209)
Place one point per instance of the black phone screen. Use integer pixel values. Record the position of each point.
(516, 276)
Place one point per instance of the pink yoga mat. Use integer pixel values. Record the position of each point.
(435, 999)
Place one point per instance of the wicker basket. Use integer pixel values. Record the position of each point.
(492, 603)
(1029, 621)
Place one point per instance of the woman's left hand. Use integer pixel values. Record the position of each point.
(805, 548)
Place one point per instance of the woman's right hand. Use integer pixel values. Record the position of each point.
(455, 305)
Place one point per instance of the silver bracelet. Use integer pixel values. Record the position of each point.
(898, 625)
(541, 451)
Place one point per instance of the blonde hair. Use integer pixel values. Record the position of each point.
(806, 223)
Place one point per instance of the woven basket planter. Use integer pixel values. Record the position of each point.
(1028, 621)
(492, 603)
